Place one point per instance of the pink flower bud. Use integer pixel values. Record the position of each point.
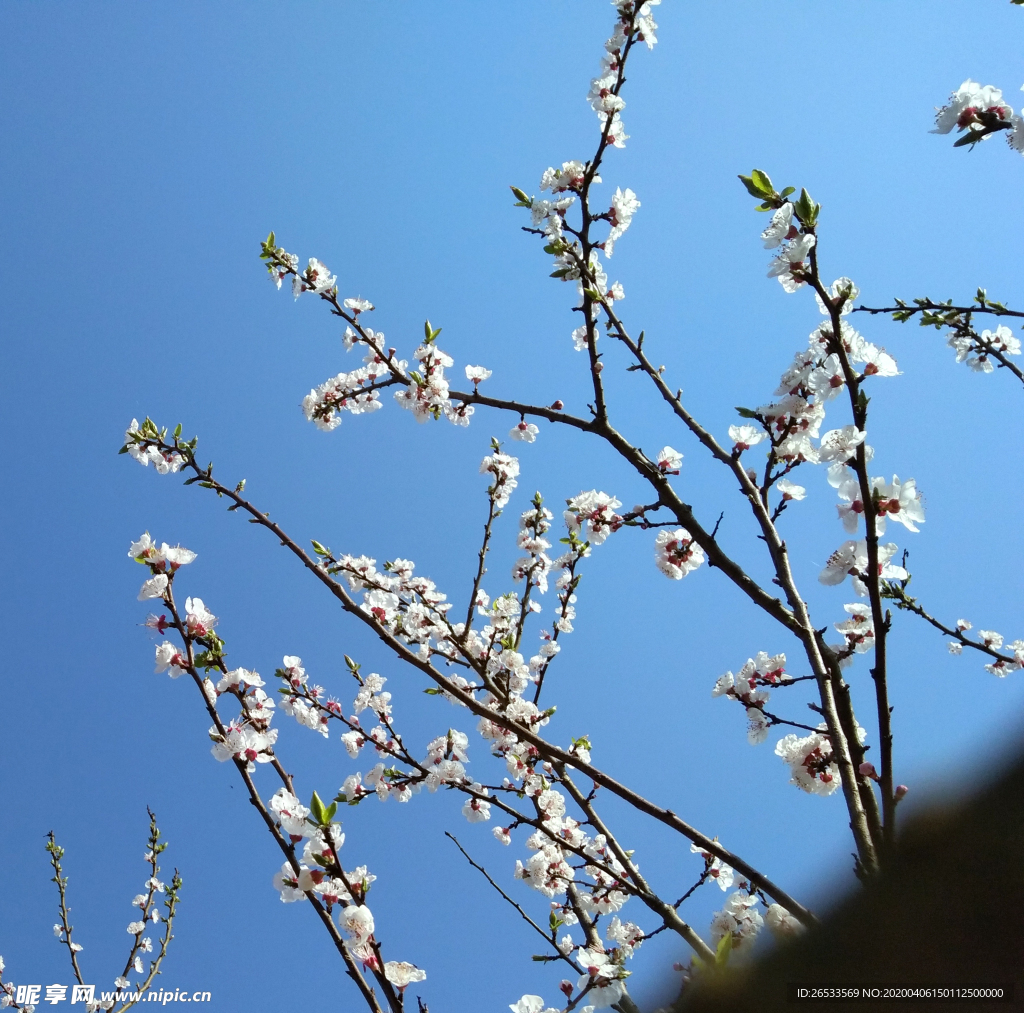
(901, 790)
(566, 986)
(868, 770)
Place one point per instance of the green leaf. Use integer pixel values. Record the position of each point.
(521, 197)
(723, 950)
(806, 209)
(177, 430)
(762, 182)
(331, 810)
(753, 185)
(124, 449)
(316, 807)
(746, 413)
(788, 191)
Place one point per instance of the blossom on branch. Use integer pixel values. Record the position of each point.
(676, 553)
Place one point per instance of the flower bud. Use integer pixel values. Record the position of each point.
(900, 792)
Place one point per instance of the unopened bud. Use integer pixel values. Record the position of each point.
(566, 987)
(868, 770)
(557, 406)
(598, 366)
(900, 792)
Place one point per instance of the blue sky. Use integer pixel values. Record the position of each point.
(147, 151)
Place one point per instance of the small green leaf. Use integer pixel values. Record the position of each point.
(806, 209)
(753, 185)
(762, 182)
(177, 430)
(331, 810)
(723, 950)
(316, 807)
(746, 413)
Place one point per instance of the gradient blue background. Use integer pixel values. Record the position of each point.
(148, 148)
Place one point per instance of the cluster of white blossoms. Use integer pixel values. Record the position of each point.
(140, 443)
(676, 553)
(248, 739)
(809, 758)
(714, 868)
(851, 560)
(788, 263)
(424, 391)
(536, 565)
(977, 352)
(505, 470)
(620, 215)
(741, 920)
(347, 392)
(316, 278)
(604, 95)
(535, 1004)
(749, 687)
(591, 516)
(427, 396)
(981, 111)
(344, 893)
(738, 918)
(791, 424)
(993, 641)
(571, 179)
(811, 761)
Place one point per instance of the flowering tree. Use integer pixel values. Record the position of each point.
(488, 656)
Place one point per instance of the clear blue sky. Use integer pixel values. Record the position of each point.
(148, 148)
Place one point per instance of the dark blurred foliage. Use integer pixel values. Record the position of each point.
(948, 911)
